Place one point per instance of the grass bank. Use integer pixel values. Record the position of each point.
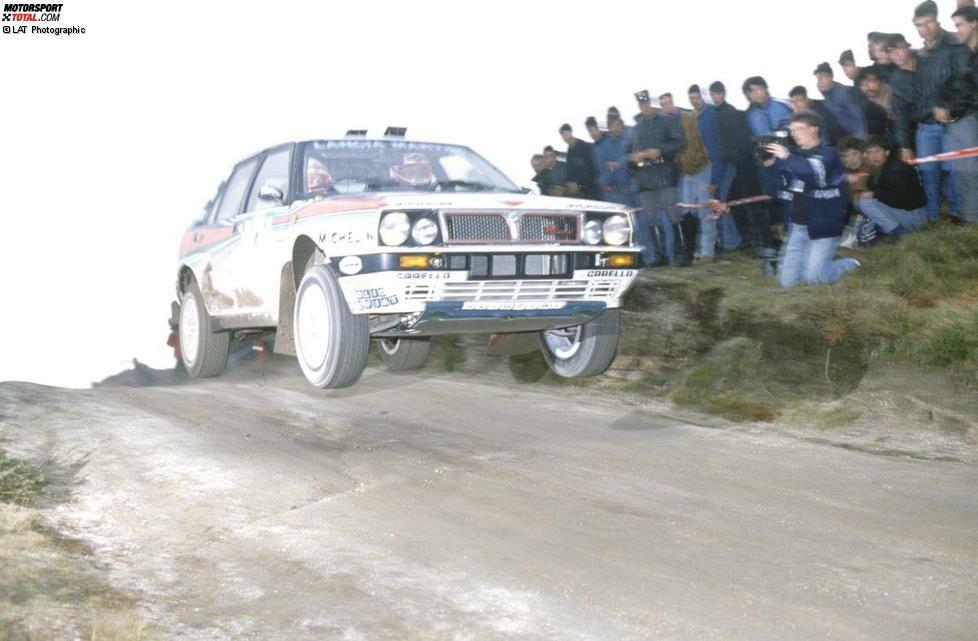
(49, 588)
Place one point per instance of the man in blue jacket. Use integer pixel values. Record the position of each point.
(839, 102)
(765, 114)
(814, 175)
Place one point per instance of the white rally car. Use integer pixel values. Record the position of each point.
(332, 243)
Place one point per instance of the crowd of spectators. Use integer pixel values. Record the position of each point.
(804, 170)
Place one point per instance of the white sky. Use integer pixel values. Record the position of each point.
(112, 141)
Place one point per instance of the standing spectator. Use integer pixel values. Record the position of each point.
(612, 161)
(877, 102)
(839, 102)
(753, 221)
(818, 207)
(722, 171)
(539, 164)
(580, 165)
(965, 22)
(831, 130)
(626, 129)
(668, 105)
(694, 181)
(593, 130)
(877, 53)
(765, 113)
(941, 59)
(656, 141)
(896, 201)
(903, 88)
(848, 63)
(556, 172)
(960, 94)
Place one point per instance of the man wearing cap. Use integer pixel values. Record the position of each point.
(839, 103)
(580, 165)
(941, 60)
(655, 142)
(848, 63)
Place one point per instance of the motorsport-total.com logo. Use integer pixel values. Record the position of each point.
(22, 15)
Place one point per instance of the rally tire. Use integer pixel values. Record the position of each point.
(585, 350)
(330, 342)
(203, 352)
(400, 354)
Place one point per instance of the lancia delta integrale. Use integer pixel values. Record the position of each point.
(333, 244)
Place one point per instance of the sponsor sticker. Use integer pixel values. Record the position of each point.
(350, 265)
(515, 306)
(374, 298)
(610, 273)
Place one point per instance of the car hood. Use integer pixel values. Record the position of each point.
(489, 201)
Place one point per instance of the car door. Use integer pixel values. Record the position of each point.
(254, 268)
(219, 281)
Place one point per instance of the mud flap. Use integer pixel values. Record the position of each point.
(513, 344)
(284, 341)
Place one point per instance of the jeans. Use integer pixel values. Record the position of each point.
(662, 211)
(933, 139)
(963, 133)
(726, 226)
(694, 190)
(810, 261)
(888, 218)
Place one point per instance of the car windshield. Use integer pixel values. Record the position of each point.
(357, 166)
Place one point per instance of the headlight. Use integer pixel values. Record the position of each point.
(592, 232)
(425, 231)
(616, 230)
(394, 228)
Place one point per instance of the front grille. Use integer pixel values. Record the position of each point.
(513, 290)
(477, 228)
(506, 227)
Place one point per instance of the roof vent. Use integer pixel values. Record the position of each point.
(356, 132)
(395, 132)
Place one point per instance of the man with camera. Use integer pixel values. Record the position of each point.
(815, 179)
(655, 142)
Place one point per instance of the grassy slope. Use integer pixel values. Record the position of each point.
(742, 347)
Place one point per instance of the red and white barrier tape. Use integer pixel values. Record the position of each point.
(947, 155)
(716, 204)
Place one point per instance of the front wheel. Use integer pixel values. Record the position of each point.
(400, 354)
(330, 342)
(584, 350)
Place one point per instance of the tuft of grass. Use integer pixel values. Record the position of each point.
(837, 416)
(20, 483)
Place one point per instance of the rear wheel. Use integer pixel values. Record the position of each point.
(584, 350)
(204, 352)
(330, 342)
(401, 354)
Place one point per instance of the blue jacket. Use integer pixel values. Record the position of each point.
(706, 121)
(608, 149)
(817, 176)
(841, 105)
(766, 119)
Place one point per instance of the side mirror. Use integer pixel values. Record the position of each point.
(270, 192)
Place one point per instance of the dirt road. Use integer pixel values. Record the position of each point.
(427, 507)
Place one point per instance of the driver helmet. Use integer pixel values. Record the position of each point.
(415, 171)
(318, 178)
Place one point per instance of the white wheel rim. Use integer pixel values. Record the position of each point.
(563, 343)
(312, 326)
(189, 329)
(389, 345)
